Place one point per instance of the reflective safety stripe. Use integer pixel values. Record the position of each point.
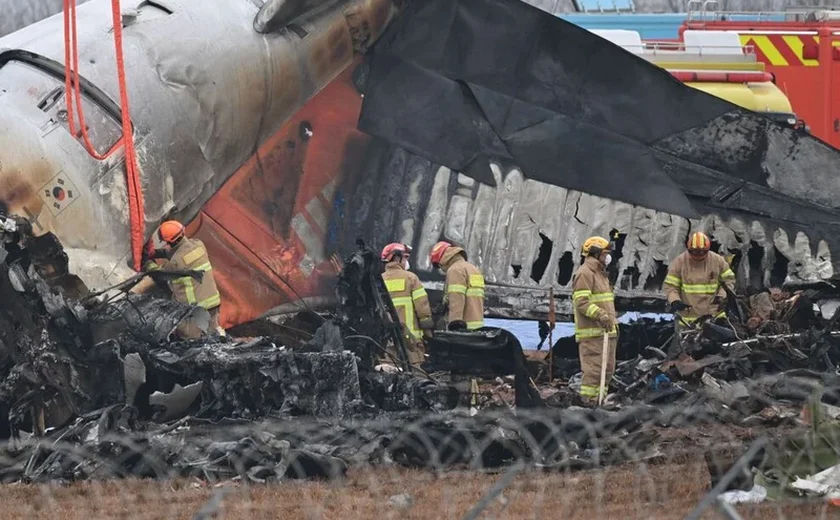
(700, 288)
(418, 293)
(476, 280)
(472, 325)
(211, 302)
(203, 267)
(592, 310)
(602, 297)
(193, 255)
(581, 294)
(596, 332)
(457, 289)
(395, 285)
(189, 287)
(475, 293)
(151, 266)
(726, 275)
(407, 305)
(476, 288)
(692, 319)
(588, 391)
(401, 300)
(189, 292)
(673, 280)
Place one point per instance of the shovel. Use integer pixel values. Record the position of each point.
(604, 351)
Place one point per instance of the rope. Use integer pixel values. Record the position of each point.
(72, 87)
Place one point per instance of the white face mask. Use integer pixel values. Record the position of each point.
(608, 259)
(407, 265)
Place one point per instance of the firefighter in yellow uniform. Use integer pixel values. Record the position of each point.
(463, 292)
(180, 253)
(410, 300)
(696, 282)
(594, 307)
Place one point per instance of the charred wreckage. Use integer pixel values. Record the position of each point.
(95, 385)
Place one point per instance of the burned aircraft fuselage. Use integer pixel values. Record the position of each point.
(206, 93)
(257, 144)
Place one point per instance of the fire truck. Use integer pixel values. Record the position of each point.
(801, 52)
(715, 62)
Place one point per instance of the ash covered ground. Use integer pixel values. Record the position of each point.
(94, 386)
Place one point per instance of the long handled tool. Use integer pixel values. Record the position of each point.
(552, 321)
(602, 390)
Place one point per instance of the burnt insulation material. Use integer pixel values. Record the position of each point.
(504, 81)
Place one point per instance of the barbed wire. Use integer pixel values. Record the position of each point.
(640, 461)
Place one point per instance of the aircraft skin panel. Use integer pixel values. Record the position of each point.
(257, 146)
(524, 234)
(197, 121)
(275, 213)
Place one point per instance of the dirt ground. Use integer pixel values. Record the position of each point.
(629, 491)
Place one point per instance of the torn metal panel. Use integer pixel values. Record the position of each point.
(147, 319)
(370, 199)
(546, 251)
(259, 379)
(134, 374)
(721, 160)
(174, 405)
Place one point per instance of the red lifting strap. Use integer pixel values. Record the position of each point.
(74, 97)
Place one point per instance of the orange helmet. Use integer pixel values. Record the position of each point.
(391, 249)
(437, 252)
(171, 231)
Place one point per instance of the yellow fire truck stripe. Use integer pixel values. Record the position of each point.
(796, 45)
(770, 50)
(766, 47)
(835, 43)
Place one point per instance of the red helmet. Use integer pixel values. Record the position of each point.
(391, 249)
(437, 252)
(171, 231)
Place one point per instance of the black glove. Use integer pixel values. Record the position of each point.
(458, 325)
(677, 306)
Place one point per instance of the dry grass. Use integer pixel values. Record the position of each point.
(628, 491)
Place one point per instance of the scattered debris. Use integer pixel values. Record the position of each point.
(97, 386)
(401, 501)
(754, 496)
(174, 405)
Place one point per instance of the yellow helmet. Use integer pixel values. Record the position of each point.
(698, 241)
(594, 245)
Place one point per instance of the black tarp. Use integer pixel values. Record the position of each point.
(461, 82)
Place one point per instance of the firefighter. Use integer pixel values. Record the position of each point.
(170, 244)
(594, 308)
(463, 292)
(409, 298)
(696, 282)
